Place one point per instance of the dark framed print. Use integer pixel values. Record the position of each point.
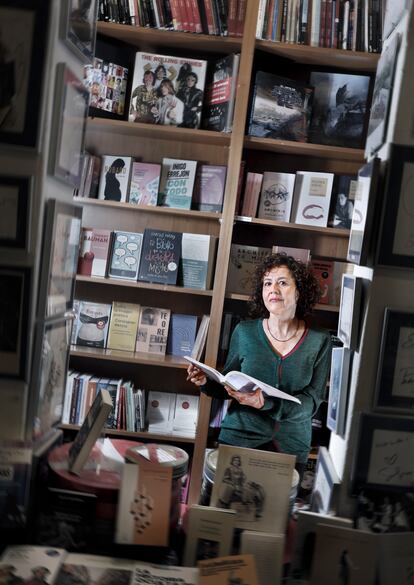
(23, 39)
(69, 122)
(396, 242)
(360, 239)
(15, 198)
(348, 321)
(326, 487)
(14, 321)
(384, 453)
(395, 378)
(78, 27)
(60, 249)
(338, 390)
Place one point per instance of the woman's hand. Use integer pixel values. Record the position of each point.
(254, 399)
(196, 376)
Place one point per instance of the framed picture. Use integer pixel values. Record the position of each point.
(338, 390)
(348, 322)
(394, 10)
(360, 239)
(326, 486)
(60, 249)
(381, 97)
(395, 379)
(23, 38)
(383, 511)
(384, 453)
(71, 109)
(14, 321)
(15, 198)
(78, 27)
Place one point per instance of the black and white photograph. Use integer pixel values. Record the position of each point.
(382, 511)
(326, 486)
(339, 110)
(78, 27)
(338, 390)
(342, 202)
(23, 27)
(15, 199)
(349, 310)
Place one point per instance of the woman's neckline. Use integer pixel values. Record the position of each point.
(285, 352)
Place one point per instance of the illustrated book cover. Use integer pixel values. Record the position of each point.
(311, 198)
(123, 326)
(209, 188)
(92, 324)
(114, 180)
(177, 183)
(94, 252)
(198, 254)
(243, 261)
(144, 185)
(125, 255)
(153, 330)
(107, 84)
(220, 93)
(160, 257)
(276, 196)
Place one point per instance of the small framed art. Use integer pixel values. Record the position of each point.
(338, 390)
(395, 378)
(348, 322)
(60, 249)
(15, 197)
(384, 453)
(69, 121)
(78, 27)
(326, 486)
(396, 241)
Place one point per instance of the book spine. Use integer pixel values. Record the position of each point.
(328, 25)
(241, 12)
(211, 25)
(315, 21)
(283, 28)
(198, 28)
(232, 18)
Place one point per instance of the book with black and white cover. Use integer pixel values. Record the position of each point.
(342, 201)
(198, 254)
(92, 324)
(125, 255)
(114, 180)
(152, 332)
(268, 551)
(177, 182)
(220, 94)
(242, 264)
(31, 563)
(276, 196)
(311, 198)
(160, 256)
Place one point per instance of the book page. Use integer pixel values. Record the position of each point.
(209, 372)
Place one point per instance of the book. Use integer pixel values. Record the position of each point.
(125, 255)
(243, 261)
(201, 337)
(268, 551)
(181, 334)
(92, 324)
(107, 84)
(276, 196)
(209, 188)
(342, 201)
(89, 432)
(323, 271)
(160, 256)
(280, 108)
(301, 254)
(185, 416)
(251, 194)
(153, 330)
(311, 198)
(145, 181)
(123, 326)
(197, 263)
(87, 568)
(94, 251)
(226, 570)
(145, 573)
(160, 412)
(209, 533)
(177, 183)
(220, 94)
(114, 179)
(240, 381)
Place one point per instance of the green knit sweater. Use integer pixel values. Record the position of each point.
(303, 372)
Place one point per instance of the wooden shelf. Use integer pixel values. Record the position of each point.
(135, 434)
(318, 306)
(112, 355)
(322, 231)
(144, 285)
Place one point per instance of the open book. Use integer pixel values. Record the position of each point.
(241, 382)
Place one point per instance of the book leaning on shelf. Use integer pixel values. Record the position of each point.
(114, 180)
(152, 332)
(220, 94)
(125, 255)
(123, 326)
(177, 183)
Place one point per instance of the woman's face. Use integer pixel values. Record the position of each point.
(279, 292)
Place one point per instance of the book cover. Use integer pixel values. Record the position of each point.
(276, 196)
(93, 252)
(198, 254)
(301, 254)
(92, 324)
(342, 201)
(153, 330)
(85, 568)
(85, 256)
(268, 551)
(185, 415)
(123, 326)
(145, 181)
(220, 94)
(125, 255)
(157, 574)
(209, 188)
(280, 108)
(167, 90)
(177, 183)
(311, 198)
(107, 84)
(228, 570)
(32, 563)
(114, 180)
(181, 334)
(323, 270)
(251, 194)
(160, 412)
(160, 257)
(243, 261)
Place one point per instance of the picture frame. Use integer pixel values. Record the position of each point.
(326, 487)
(338, 390)
(23, 30)
(15, 200)
(364, 215)
(15, 286)
(396, 241)
(69, 123)
(60, 250)
(348, 321)
(395, 377)
(384, 454)
(78, 27)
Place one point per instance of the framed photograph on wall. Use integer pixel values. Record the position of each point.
(23, 38)
(15, 198)
(60, 249)
(78, 27)
(338, 390)
(396, 241)
(384, 454)
(326, 486)
(14, 321)
(69, 121)
(348, 322)
(395, 377)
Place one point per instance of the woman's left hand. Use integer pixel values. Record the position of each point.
(254, 399)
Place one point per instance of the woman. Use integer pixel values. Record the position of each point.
(168, 109)
(279, 348)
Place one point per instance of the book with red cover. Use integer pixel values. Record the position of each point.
(323, 270)
(94, 252)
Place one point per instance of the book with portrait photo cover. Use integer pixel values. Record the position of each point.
(240, 381)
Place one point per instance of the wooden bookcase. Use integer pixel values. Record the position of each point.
(151, 143)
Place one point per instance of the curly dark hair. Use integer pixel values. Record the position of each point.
(306, 284)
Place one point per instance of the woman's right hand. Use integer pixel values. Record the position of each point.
(196, 376)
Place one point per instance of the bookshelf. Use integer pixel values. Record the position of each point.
(151, 143)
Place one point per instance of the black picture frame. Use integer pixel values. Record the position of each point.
(349, 310)
(395, 377)
(15, 200)
(60, 250)
(15, 283)
(396, 241)
(384, 453)
(78, 27)
(23, 30)
(68, 127)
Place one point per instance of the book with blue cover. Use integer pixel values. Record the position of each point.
(182, 334)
